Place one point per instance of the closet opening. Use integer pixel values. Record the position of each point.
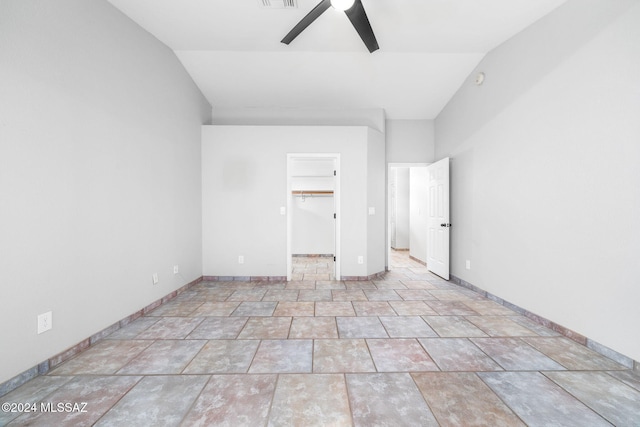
(313, 217)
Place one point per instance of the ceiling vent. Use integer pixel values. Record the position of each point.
(278, 4)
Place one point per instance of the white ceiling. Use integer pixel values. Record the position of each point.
(232, 50)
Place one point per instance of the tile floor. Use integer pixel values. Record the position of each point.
(411, 349)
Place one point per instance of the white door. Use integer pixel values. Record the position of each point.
(438, 225)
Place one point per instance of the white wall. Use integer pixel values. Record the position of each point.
(371, 117)
(410, 141)
(99, 173)
(418, 194)
(401, 199)
(545, 198)
(244, 184)
(376, 190)
(313, 225)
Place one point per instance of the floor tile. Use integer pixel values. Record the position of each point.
(342, 355)
(266, 328)
(360, 327)
(176, 308)
(313, 327)
(458, 354)
(334, 309)
(500, 326)
(216, 308)
(539, 329)
(631, 378)
(329, 285)
(315, 295)
(411, 308)
(216, 295)
(572, 355)
(283, 356)
(453, 326)
(617, 402)
(291, 308)
(463, 399)
(216, 328)
(134, 328)
(233, 400)
(451, 308)
(540, 402)
(408, 348)
(317, 276)
(415, 295)
(168, 328)
(223, 357)
(300, 284)
(373, 308)
(382, 295)
(349, 295)
(407, 327)
(389, 284)
(296, 401)
(450, 295)
(105, 358)
(281, 295)
(99, 393)
(418, 284)
(400, 355)
(163, 357)
(32, 392)
(255, 308)
(387, 400)
(513, 354)
(364, 284)
(489, 308)
(247, 295)
(146, 404)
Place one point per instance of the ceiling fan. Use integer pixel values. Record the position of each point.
(354, 11)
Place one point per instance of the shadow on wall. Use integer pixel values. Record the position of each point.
(536, 61)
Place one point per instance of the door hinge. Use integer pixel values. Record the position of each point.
(334, 216)
(334, 259)
(334, 173)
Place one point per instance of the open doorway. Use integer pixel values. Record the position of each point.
(407, 220)
(313, 205)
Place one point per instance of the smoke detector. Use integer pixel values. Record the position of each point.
(278, 4)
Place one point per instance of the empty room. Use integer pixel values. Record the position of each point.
(319, 212)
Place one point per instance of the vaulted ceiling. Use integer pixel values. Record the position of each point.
(232, 50)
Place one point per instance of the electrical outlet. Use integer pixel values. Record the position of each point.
(360, 259)
(241, 259)
(155, 279)
(176, 269)
(45, 322)
(468, 264)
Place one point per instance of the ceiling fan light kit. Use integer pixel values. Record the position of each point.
(354, 11)
(342, 4)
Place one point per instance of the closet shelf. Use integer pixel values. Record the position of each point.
(312, 193)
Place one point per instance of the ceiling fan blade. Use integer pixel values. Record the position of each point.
(358, 18)
(307, 20)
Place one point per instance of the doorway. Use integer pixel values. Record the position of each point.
(313, 220)
(407, 221)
